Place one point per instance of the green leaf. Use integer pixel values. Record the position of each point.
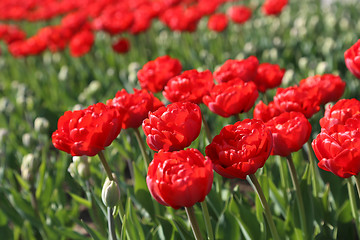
(80, 200)
(227, 227)
(92, 232)
(183, 229)
(249, 224)
(133, 226)
(142, 194)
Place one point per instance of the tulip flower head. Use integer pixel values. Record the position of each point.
(240, 149)
(179, 179)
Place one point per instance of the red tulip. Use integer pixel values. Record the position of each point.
(190, 86)
(155, 74)
(135, 107)
(178, 18)
(179, 179)
(121, 46)
(88, 131)
(290, 131)
(268, 76)
(243, 69)
(265, 113)
(81, 43)
(240, 149)
(218, 22)
(338, 149)
(331, 87)
(340, 112)
(306, 101)
(273, 7)
(352, 59)
(230, 98)
(173, 127)
(239, 14)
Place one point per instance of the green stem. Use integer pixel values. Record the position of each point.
(296, 184)
(106, 166)
(207, 129)
(357, 180)
(354, 209)
(314, 170)
(110, 218)
(207, 220)
(142, 147)
(194, 224)
(265, 205)
(237, 117)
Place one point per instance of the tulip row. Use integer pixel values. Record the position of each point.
(82, 19)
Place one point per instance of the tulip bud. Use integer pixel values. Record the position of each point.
(3, 134)
(80, 165)
(28, 140)
(41, 125)
(29, 165)
(110, 193)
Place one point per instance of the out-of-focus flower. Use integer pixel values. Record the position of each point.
(297, 99)
(178, 18)
(81, 43)
(352, 59)
(218, 22)
(179, 179)
(88, 131)
(290, 131)
(41, 125)
(243, 69)
(340, 112)
(239, 14)
(268, 76)
(134, 107)
(331, 87)
(121, 46)
(173, 127)
(155, 74)
(240, 149)
(230, 98)
(190, 86)
(273, 7)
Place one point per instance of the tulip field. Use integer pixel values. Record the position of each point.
(180, 119)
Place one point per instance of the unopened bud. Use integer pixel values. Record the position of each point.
(28, 140)
(80, 166)
(3, 134)
(110, 193)
(41, 125)
(28, 167)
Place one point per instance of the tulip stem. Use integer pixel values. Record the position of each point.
(106, 166)
(357, 180)
(314, 170)
(296, 184)
(112, 234)
(207, 220)
(207, 129)
(194, 224)
(353, 205)
(265, 205)
(142, 148)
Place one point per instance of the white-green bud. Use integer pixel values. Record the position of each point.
(3, 134)
(28, 140)
(28, 167)
(110, 193)
(41, 125)
(80, 166)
